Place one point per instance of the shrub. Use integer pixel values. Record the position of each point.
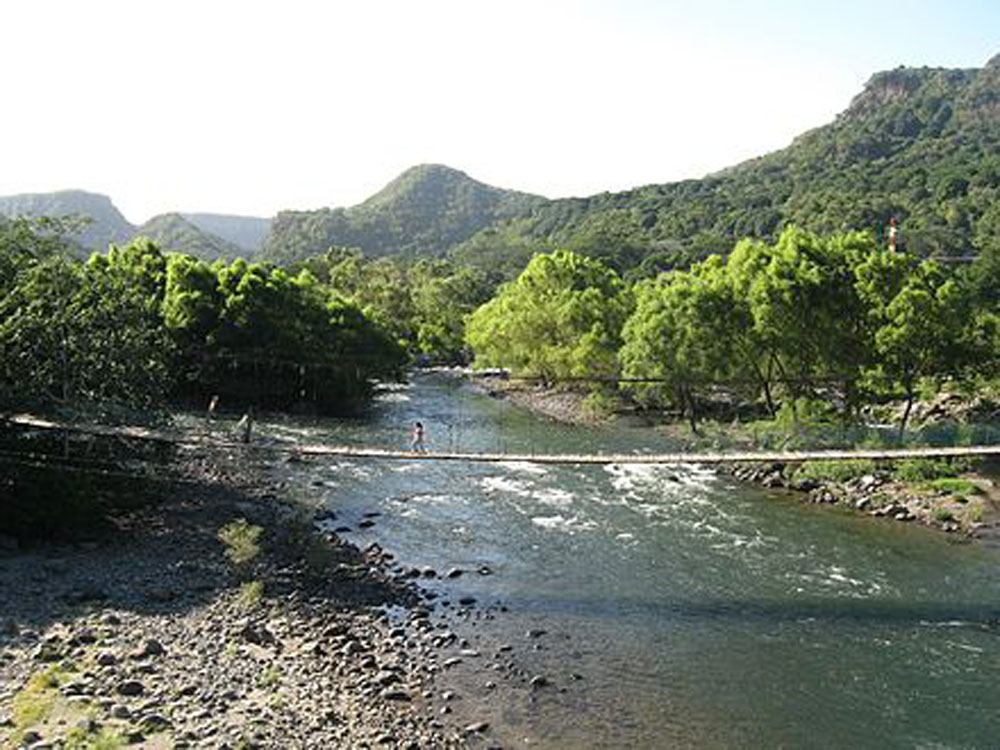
(925, 469)
(835, 471)
(240, 540)
(943, 514)
(953, 485)
(600, 404)
(250, 594)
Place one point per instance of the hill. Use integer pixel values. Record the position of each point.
(173, 233)
(426, 210)
(107, 224)
(204, 235)
(921, 145)
(246, 231)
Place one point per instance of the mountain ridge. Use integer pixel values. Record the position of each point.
(425, 210)
(917, 144)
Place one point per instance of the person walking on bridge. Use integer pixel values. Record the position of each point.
(417, 443)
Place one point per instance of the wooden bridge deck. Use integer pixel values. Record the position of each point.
(361, 452)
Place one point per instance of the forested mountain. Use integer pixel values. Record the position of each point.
(173, 232)
(203, 235)
(246, 231)
(921, 145)
(426, 210)
(107, 225)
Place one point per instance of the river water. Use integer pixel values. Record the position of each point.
(680, 607)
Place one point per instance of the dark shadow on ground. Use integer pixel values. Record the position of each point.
(155, 548)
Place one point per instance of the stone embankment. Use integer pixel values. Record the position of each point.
(880, 496)
(152, 638)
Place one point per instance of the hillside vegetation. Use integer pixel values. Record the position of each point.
(921, 145)
(426, 210)
(100, 224)
(917, 144)
(105, 223)
(246, 231)
(174, 232)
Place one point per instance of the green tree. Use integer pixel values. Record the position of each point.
(921, 327)
(561, 318)
(682, 336)
(72, 334)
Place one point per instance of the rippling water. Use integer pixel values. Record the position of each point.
(682, 609)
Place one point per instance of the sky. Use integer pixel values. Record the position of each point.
(253, 107)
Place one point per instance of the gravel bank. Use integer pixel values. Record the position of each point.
(151, 637)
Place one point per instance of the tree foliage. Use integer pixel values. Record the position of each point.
(561, 318)
(803, 319)
(134, 326)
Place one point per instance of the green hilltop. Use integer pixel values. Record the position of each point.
(426, 210)
(106, 224)
(174, 232)
(921, 145)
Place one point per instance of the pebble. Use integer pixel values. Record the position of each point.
(131, 688)
(151, 647)
(154, 722)
(396, 695)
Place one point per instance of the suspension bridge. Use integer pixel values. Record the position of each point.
(209, 442)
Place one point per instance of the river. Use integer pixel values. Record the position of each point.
(680, 608)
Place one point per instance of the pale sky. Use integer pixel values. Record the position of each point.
(252, 107)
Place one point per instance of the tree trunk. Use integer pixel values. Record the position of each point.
(692, 409)
(906, 412)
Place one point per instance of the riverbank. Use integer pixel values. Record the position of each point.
(967, 505)
(159, 635)
(562, 405)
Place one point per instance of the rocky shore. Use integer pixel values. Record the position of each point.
(561, 405)
(878, 495)
(152, 637)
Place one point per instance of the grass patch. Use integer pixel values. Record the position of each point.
(270, 678)
(943, 515)
(926, 469)
(250, 594)
(953, 486)
(835, 471)
(34, 704)
(81, 739)
(241, 541)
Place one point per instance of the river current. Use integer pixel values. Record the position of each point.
(680, 608)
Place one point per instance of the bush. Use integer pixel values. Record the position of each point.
(926, 469)
(250, 594)
(835, 471)
(953, 486)
(600, 404)
(240, 540)
(941, 515)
